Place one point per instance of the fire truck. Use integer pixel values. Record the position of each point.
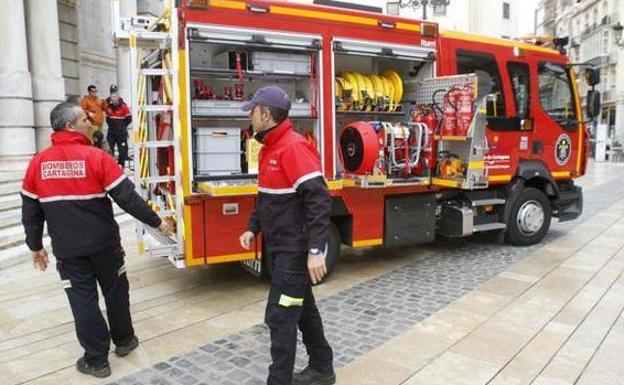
(422, 133)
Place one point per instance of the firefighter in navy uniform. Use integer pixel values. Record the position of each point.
(118, 118)
(293, 213)
(67, 185)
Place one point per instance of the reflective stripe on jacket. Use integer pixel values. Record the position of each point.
(67, 185)
(293, 207)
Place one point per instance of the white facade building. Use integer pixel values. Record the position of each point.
(496, 18)
(595, 31)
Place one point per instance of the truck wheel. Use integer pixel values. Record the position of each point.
(529, 219)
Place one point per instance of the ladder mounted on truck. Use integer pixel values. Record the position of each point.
(157, 165)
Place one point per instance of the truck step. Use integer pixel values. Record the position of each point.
(489, 227)
(488, 202)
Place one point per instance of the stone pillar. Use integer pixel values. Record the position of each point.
(127, 8)
(44, 51)
(17, 137)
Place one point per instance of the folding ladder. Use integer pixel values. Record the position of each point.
(153, 55)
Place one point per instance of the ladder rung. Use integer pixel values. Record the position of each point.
(157, 107)
(156, 72)
(159, 179)
(155, 144)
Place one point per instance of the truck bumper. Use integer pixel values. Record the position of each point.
(569, 204)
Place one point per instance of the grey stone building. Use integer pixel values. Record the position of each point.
(52, 50)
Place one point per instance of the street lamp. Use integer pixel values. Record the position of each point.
(424, 4)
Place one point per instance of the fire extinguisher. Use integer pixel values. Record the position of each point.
(465, 101)
(449, 126)
(429, 149)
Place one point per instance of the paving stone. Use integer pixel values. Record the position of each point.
(188, 380)
(382, 308)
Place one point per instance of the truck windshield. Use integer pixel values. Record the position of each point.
(555, 92)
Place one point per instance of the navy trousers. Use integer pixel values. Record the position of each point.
(291, 304)
(80, 277)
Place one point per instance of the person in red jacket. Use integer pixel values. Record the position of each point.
(118, 118)
(68, 186)
(293, 213)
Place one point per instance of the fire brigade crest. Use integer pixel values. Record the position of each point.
(563, 149)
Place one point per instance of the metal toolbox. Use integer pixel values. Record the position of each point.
(232, 108)
(280, 62)
(217, 150)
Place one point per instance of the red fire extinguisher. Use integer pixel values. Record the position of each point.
(465, 100)
(429, 150)
(449, 125)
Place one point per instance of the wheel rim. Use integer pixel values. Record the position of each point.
(530, 217)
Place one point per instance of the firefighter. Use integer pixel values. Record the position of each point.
(118, 118)
(67, 185)
(293, 213)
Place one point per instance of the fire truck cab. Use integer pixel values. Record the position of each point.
(421, 133)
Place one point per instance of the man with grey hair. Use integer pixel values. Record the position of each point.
(67, 185)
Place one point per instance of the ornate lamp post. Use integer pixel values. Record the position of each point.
(424, 4)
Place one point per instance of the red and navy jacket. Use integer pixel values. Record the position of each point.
(293, 207)
(67, 185)
(118, 116)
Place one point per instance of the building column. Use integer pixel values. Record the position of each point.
(619, 120)
(127, 8)
(44, 52)
(17, 137)
(619, 87)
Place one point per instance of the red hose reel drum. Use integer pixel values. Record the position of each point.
(359, 148)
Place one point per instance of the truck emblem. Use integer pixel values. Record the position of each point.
(563, 149)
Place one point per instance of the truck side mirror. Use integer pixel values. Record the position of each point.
(593, 104)
(592, 75)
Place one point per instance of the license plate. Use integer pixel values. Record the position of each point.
(253, 266)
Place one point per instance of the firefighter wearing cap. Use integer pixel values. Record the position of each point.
(293, 214)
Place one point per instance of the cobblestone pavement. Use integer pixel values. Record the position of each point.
(367, 315)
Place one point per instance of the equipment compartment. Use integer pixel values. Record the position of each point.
(227, 66)
(378, 142)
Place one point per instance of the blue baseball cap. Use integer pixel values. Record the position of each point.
(269, 96)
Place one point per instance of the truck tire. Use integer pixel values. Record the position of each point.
(331, 259)
(529, 218)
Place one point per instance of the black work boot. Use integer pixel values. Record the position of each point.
(310, 376)
(124, 350)
(100, 372)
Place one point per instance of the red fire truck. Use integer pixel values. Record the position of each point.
(421, 133)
